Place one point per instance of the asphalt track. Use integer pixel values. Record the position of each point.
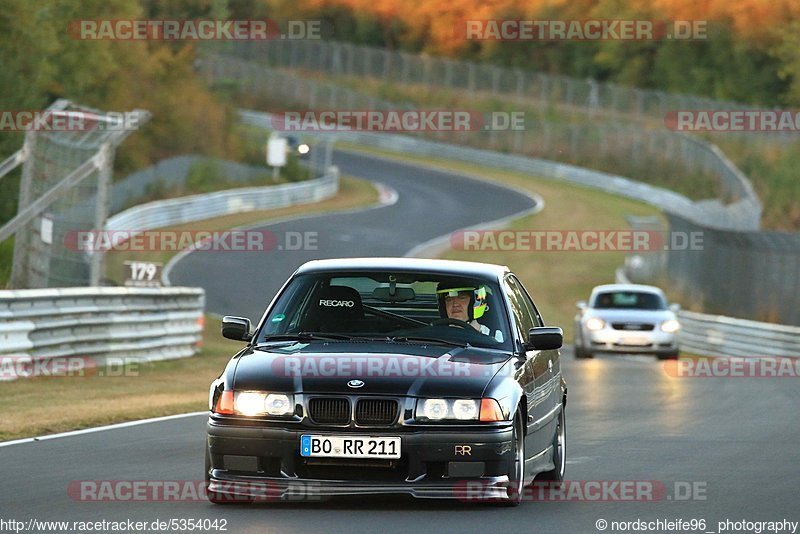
(430, 204)
(735, 440)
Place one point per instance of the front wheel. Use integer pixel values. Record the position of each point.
(581, 353)
(559, 451)
(668, 356)
(516, 468)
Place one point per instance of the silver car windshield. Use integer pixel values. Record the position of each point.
(638, 300)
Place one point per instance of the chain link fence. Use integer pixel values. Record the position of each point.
(545, 91)
(603, 145)
(65, 183)
(745, 274)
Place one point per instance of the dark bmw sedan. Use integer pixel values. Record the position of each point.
(433, 378)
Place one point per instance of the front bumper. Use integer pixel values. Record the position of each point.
(630, 342)
(265, 462)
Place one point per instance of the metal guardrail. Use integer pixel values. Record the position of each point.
(741, 215)
(101, 323)
(162, 213)
(717, 335)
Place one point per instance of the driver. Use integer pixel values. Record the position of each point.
(463, 302)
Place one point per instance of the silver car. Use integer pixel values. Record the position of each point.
(626, 318)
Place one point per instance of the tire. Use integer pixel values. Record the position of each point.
(559, 451)
(516, 468)
(668, 356)
(581, 353)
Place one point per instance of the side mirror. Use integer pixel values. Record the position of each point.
(236, 328)
(674, 307)
(545, 338)
(581, 304)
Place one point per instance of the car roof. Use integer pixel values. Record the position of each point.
(452, 267)
(627, 287)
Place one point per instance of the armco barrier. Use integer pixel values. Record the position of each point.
(162, 213)
(717, 335)
(134, 324)
(741, 215)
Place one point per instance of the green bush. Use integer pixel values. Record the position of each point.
(205, 176)
(6, 256)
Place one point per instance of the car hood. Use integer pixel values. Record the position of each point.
(632, 316)
(400, 369)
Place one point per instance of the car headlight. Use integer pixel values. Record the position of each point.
(465, 410)
(486, 409)
(595, 323)
(433, 409)
(279, 404)
(670, 326)
(252, 403)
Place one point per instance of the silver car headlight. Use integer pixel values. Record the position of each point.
(595, 323)
(670, 326)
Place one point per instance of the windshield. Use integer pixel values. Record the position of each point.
(406, 307)
(629, 300)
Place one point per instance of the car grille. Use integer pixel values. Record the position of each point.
(376, 411)
(329, 410)
(642, 327)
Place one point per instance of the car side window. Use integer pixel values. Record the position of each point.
(522, 314)
(529, 305)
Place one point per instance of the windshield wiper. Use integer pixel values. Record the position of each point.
(305, 336)
(420, 339)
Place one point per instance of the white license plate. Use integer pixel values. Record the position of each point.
(349, 446)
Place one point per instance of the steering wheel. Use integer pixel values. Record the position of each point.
(451, 322)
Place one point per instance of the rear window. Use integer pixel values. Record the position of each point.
(629, 299)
